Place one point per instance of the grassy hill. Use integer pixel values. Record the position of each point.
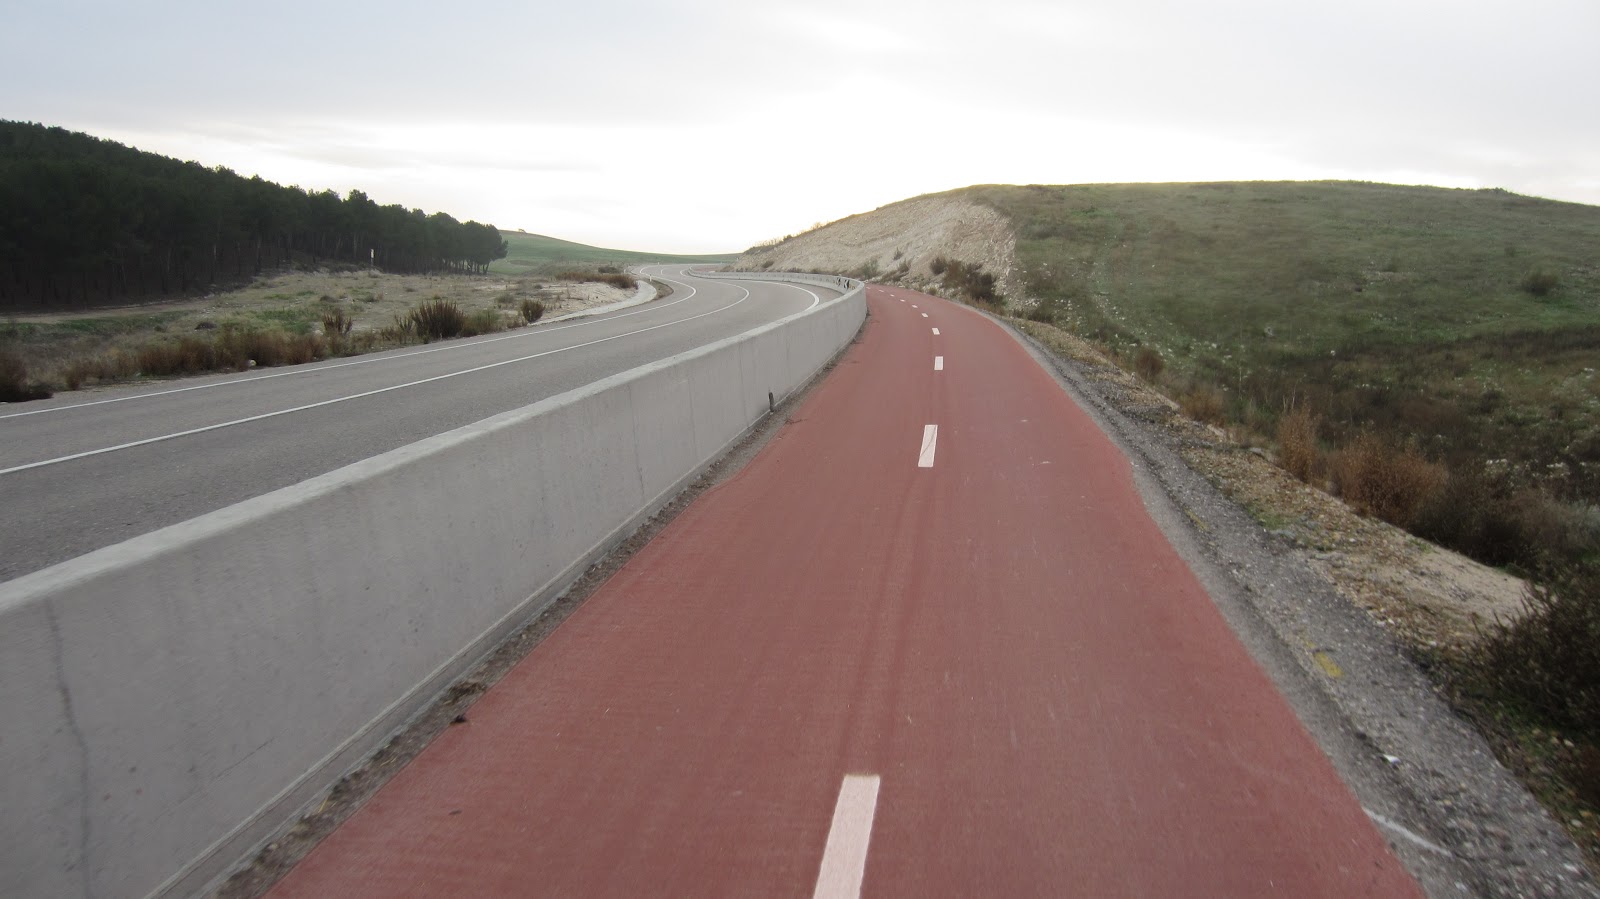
(536, 254)
(1458, 328)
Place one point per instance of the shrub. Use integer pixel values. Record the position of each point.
(1045, 310)
(1548, 658)
(108, 366)
(1148, 363)
(1584, 773)
(186, 355)
(400, 331)
(939, 265)
(1205, 404)
(531, 311)
(483, 321)
(1297, 443)
(237, 348)
(14, 385)
(615, 279)
(437, 319)
(1472, 516)
(969, 279)
(1389, 483)
(1540, 283)
(337, 323)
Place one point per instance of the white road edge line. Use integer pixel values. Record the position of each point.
(938, 363)
(815, 300)
(356, 396)
(844, 860)
(930, 441)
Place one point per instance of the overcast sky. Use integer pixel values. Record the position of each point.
(709, 125)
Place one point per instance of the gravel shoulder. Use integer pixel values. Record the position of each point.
(1329, 604)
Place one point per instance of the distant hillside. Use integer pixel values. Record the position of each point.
(536, 254)
(899, 240)
(1462, 324)
(86, 222)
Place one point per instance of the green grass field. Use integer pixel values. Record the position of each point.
(539, 255)
(1465, 324)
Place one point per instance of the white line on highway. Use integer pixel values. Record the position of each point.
(936, 332)
(844, 859)
(367, 360)
(930, 440)
(924, 315)
(913, 305)
(357, 396)
(814, 298)
(938, 363)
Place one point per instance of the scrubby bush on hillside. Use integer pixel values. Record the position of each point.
(1540, 283)
(1148, 363)
(1386, 482)
(1548, 658)
(1204, 403)
(1297, 443)
(531, 311)
(970, 280)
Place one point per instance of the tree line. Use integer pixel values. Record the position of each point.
(86, 221)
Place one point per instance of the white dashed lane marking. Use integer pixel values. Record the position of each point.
(844, 859)
(930, 441)
(938, 363)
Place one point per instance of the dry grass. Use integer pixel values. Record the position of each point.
(619, 280)
(1298, 452)
(1205, 404)
(1386, 482)
(271, 322)
(1149, 364)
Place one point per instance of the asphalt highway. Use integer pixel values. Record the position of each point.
(927, 643)
(87, 470)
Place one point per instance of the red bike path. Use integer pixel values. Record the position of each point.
(975, 668)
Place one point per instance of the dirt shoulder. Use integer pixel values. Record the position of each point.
(1335, 608)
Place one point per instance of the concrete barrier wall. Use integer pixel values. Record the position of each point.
(168, 703)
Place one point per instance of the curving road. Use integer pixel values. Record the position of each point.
(85, 471)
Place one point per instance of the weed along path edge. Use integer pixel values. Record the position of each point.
(927, 642)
